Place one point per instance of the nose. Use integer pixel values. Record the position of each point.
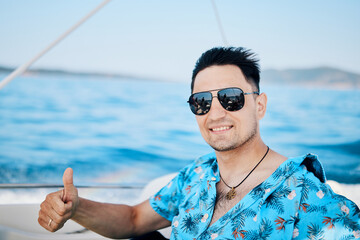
(216, 111)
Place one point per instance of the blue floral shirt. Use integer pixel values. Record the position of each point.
(293, 203)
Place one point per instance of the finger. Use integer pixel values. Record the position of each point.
(68, 183)
(62, 194)
(55, 202)
(57, 216)
(54, 207)
(68, 206)
(42, 222)
(47, 223)
(52, 227)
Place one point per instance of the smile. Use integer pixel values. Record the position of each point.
(220, 129)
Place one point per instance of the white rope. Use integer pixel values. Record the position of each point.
(218, 20)
(26, 65)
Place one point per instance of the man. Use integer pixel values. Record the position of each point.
(242, 191)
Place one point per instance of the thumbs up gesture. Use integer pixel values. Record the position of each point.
(59, 206)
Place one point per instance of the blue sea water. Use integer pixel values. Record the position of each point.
(131, 131)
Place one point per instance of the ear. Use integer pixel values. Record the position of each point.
(261, 102)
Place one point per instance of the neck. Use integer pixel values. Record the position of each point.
(240, 160)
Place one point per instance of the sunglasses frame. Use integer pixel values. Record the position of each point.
(217, 96)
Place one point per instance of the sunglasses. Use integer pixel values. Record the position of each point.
(231, 99)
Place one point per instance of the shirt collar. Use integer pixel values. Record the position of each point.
(310, 161)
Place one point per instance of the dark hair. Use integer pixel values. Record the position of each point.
(241, 57)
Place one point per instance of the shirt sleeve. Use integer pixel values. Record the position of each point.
(324, 214)
(166, 201)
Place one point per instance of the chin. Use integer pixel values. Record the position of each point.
(226, 146)
(220, 148)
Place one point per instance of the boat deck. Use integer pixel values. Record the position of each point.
(19, 221)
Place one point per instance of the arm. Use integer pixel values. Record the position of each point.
(110, 220)
(118, 221)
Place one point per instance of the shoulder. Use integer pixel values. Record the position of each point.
(320, 208)
(206, 160)
(201, 164)
(194, 171)
(316, 194)
(311, 180)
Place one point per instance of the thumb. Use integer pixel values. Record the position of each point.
(68, 184)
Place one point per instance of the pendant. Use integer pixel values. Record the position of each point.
(231, 194)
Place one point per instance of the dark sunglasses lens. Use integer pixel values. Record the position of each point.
(232, 99)
(200, 103)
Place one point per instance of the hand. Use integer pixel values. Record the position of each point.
(59, 206)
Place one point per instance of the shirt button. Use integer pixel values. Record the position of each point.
(213, 179)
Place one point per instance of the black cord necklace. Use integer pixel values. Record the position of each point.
(232, 193)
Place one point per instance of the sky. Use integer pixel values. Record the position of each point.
(162, 39)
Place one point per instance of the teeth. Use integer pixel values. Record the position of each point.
(220, 129)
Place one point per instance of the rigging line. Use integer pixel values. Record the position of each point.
(26, 65)
(218, 20)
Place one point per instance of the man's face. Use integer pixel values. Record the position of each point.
(225, 130)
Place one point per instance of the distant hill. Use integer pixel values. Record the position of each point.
(323, 77)
(68, 73)
(5, 69)
(313, 77)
